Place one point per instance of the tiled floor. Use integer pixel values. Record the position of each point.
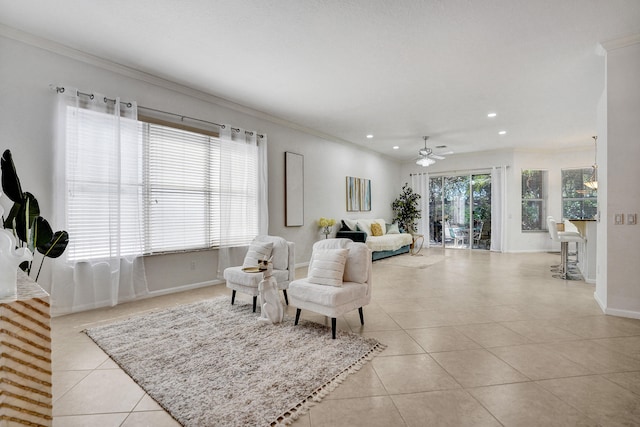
(476, 339)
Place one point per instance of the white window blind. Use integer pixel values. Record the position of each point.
(193, 182)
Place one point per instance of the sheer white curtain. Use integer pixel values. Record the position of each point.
(243, 196)
(498, 208)
(420, 185)
(98, 199)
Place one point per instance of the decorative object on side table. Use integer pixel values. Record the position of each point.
(327, 225)
(406, 210)
(10, 260)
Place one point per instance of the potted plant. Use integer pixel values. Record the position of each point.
(406, 209)
(30, 229)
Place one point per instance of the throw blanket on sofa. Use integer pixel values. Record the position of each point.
(388, 242)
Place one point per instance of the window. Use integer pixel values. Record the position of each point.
(170, 189)
(578, 200)
(534, 194)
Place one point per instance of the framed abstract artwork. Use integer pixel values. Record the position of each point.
(358, 191)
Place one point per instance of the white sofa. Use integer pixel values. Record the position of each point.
(391, 242)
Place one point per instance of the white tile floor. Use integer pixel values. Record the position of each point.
(477, 339)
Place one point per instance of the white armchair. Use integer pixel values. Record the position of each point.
(263, 247)
(339, 280)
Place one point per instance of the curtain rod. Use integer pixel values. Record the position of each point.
(61, 89)
(182, 117)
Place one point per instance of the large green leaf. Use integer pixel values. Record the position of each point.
(25, 219)
(56, 246)
(9, 222)
(10, 181)
(42, 233)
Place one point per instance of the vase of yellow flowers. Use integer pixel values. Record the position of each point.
(327, 225)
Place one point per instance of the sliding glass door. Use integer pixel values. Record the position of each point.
(460, 211)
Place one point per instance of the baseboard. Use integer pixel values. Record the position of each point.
(622, 313)
(615, 311)
(603, 306)
(182, 288)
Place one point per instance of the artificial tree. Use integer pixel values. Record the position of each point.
(31, 230)
(406, 209)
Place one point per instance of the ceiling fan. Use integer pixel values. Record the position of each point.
(427, 157)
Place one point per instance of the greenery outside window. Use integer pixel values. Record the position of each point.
(578, 200)
(534, 197)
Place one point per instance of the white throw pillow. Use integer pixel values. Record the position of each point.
(327, 266)
(365, 225)
(350, 223)
(257, 252)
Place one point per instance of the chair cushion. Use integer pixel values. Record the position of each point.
(358, 259)
(257, 252)
(329, 296)
(327, 267)
(236, 275)
(280, 251)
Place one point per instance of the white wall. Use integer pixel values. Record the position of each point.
(516, 161)
(621, 151)
(26, 127)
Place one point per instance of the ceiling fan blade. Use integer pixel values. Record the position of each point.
(446, 153)
(436, 156)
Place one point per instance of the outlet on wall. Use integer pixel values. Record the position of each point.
(618, 219)
(632, 219)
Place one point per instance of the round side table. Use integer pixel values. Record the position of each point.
(414, 248)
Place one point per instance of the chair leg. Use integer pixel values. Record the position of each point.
(255, 303)
(297, 315)
(333, 328)
(284, 291)
(361, 316)
(233, 296)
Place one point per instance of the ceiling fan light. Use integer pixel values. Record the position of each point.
(425, 161)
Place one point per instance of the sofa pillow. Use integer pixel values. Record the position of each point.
(327, 267)
(383, 226)
(351, 224)
(376, 230)
(257, 252)
(365, 225)
(392, 228)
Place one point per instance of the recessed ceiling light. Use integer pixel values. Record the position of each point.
(491, 115)
(395, 147)
(369, 136)
(502, 132)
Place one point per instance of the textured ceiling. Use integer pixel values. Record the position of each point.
(395, 69)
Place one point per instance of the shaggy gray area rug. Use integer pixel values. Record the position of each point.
(214, 364)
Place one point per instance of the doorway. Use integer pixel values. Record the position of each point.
(460, 211)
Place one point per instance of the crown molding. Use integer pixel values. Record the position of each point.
(123, 70)
(621, 42)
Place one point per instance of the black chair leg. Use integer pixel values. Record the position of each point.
(361, 316)
(284, 291)
(297, 315)
(233, 296)
(333, 328)
(255, 303)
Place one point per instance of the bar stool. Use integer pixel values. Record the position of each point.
(564, 238)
